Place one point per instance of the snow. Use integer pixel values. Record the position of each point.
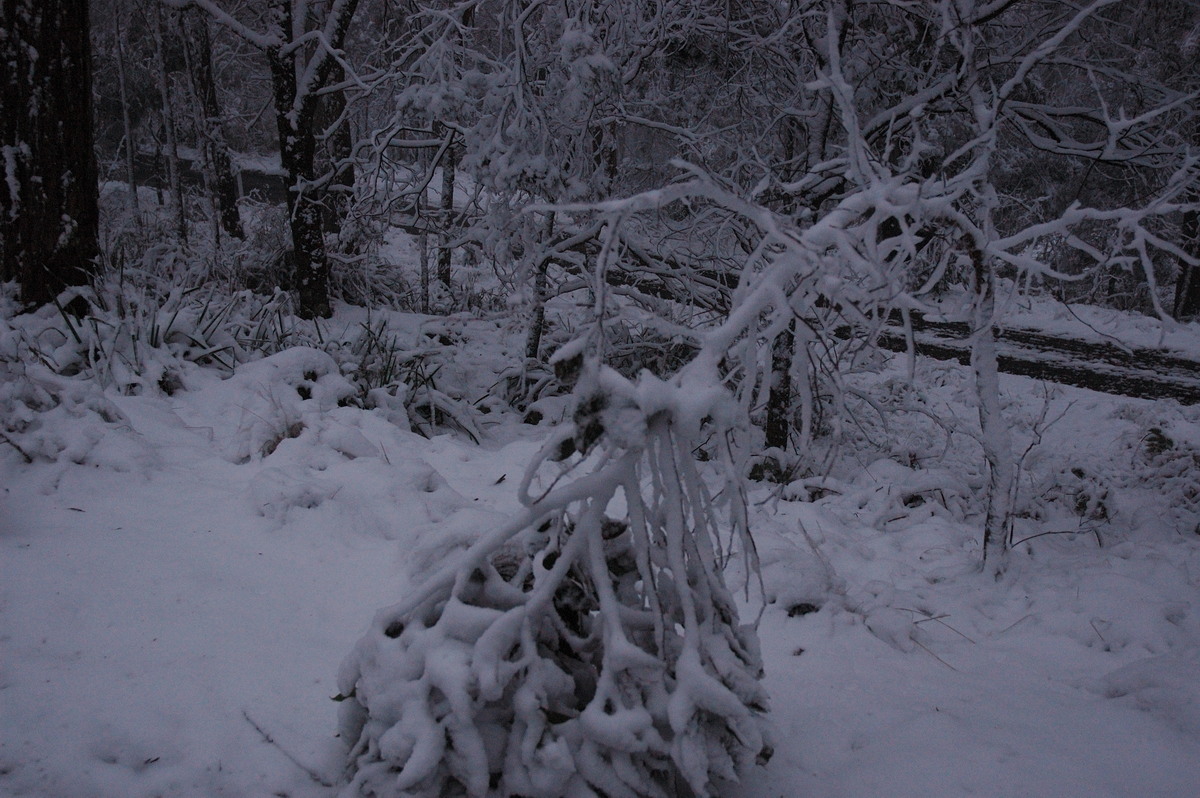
(928, 684)
(266, 164)
(181, 578)
(1094, 324)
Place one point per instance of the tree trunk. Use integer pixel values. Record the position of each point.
(48, 203)
(1187, 288)
(224, 183)
(295, 117)
(995, 435)
(206, 166)
(135, 208)
(297, 155)
(168, 119)
(297, 151)
(779, 399)
(334, 124)
(533, 342)
(300, 69)
(449, 177)
(423, 247)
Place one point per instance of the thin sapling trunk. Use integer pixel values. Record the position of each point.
(167, 110)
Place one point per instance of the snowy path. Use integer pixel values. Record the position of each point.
(136, 638)
(144, 613)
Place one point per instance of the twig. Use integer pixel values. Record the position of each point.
(1117, 342)
(930, 618)
(1053, 532)
(1014, 623)
(13, 444)
(938, 618)
(269, 740)
(935, 656)
(831, 577)
(951, 628)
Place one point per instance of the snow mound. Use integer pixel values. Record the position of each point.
(1165, 686)
(45, 416)
(272, 400)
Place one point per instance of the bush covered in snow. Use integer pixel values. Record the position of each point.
(587, 647)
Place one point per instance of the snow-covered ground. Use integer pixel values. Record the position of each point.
(180, 577)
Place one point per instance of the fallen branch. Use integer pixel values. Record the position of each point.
(269, 740)
(5, 439)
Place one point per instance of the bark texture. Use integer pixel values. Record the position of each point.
(1187, 289)
(296, 107)
(48, 194)
(779, 400)
(449, 177)
(170, 136)
(216, 151)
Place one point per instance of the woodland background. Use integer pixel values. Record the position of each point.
(688, 249)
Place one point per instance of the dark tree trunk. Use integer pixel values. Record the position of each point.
(295, 119)
(449, 177)
(339, 149)
(48, 205)
(167, 109)
(423, 246)
(342, 151)
(779, 399)
(296, 102)
(537, 326)
(1187, 288)
(135, 208)
(224, 184)
(297, 154)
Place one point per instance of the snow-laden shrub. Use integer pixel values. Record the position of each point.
(1170, 467)
(145, 331)
(416, 383)
(137, 330)
(272, 400)
(360, 274)
(1146, 473)
(587, 647)
(889, 496)
(46, 416)
(632, 347)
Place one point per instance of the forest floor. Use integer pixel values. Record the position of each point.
(182, 575)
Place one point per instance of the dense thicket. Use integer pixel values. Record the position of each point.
(395, 104)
